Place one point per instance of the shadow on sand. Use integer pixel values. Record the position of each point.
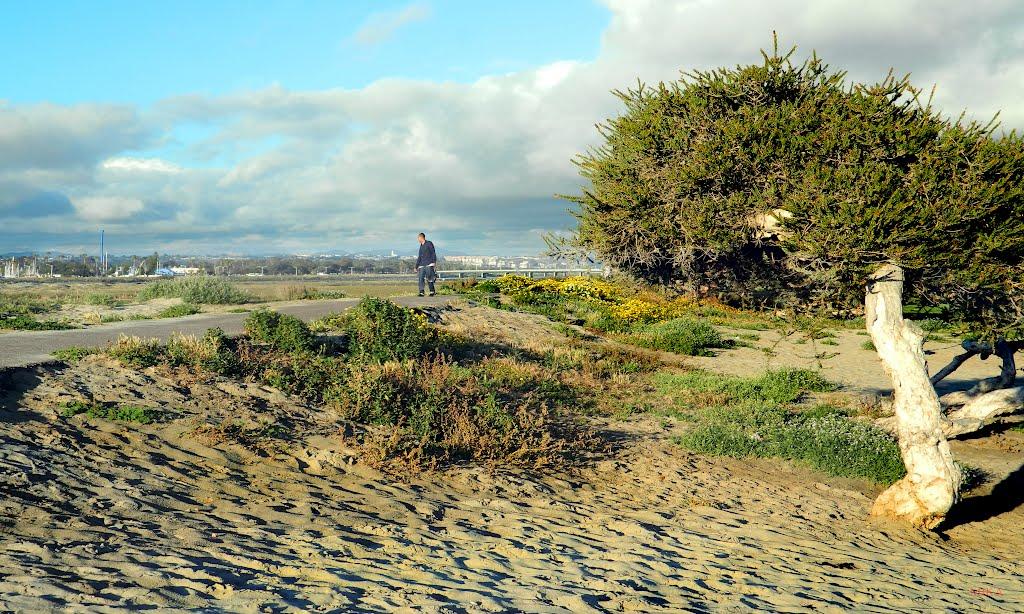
(14, 383)
(1006, 496)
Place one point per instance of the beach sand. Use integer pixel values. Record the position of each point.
(99, 516)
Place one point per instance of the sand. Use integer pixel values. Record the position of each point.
(98, 516)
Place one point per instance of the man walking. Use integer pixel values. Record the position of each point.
(426, 263)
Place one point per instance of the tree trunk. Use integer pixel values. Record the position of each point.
(932, 483)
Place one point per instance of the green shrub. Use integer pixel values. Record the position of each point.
(111, 411)
(200, 290)
(933, 325)
(313, 377)
(213, 352)
(178, 311)
(379, 330)
(280, 331)
(138, 352)
(329, 322)
(868, 345)
(75, 353)
(682, 336)
(25, 322)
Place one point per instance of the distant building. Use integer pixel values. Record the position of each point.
(185, 270)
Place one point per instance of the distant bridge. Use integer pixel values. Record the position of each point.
(531, 273)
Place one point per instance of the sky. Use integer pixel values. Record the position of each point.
(236, 127)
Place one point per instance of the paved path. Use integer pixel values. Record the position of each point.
(25, 348)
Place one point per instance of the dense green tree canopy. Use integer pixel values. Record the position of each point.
(783, 184)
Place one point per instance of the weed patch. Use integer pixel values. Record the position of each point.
(827, 441)
(178, 311)
(111, 411)
(757, 417)
(199, 290)
(496, 411)
(137, 352)
(24, 322)
(102, 300)
(782, 386)
(261, 438)
(682, 336)
(422, 407)
(75, 353)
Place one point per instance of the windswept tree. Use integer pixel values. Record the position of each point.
(781, 184)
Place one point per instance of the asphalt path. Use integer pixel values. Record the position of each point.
(27, 348)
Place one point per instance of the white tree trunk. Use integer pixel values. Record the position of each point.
(932, 483)
(980, 411)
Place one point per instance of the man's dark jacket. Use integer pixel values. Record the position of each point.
(427, 255)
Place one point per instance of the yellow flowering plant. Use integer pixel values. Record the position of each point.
(512, 283)
(589, 287)
(638, 310)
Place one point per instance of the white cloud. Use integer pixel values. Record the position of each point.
(381, 27)
(475, 164)
(140, 165)
(48, 137)
(106, 208)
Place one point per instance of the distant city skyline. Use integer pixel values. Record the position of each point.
(284, 127)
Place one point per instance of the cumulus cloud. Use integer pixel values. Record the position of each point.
(474, 164)
(381, 27)
(52, 137)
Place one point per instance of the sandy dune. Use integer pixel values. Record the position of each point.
(98, 516)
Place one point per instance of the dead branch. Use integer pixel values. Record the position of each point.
(982, 410)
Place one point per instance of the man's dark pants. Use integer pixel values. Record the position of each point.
(427, 275)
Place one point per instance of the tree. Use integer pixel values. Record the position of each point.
(782, 185)
(150, 264)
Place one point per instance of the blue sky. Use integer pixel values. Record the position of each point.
(141, 52)
(295, 127)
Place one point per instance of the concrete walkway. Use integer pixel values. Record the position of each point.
(26, 348)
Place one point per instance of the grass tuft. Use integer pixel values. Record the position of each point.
(781, 386)
(680, 335)
(828, 441)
